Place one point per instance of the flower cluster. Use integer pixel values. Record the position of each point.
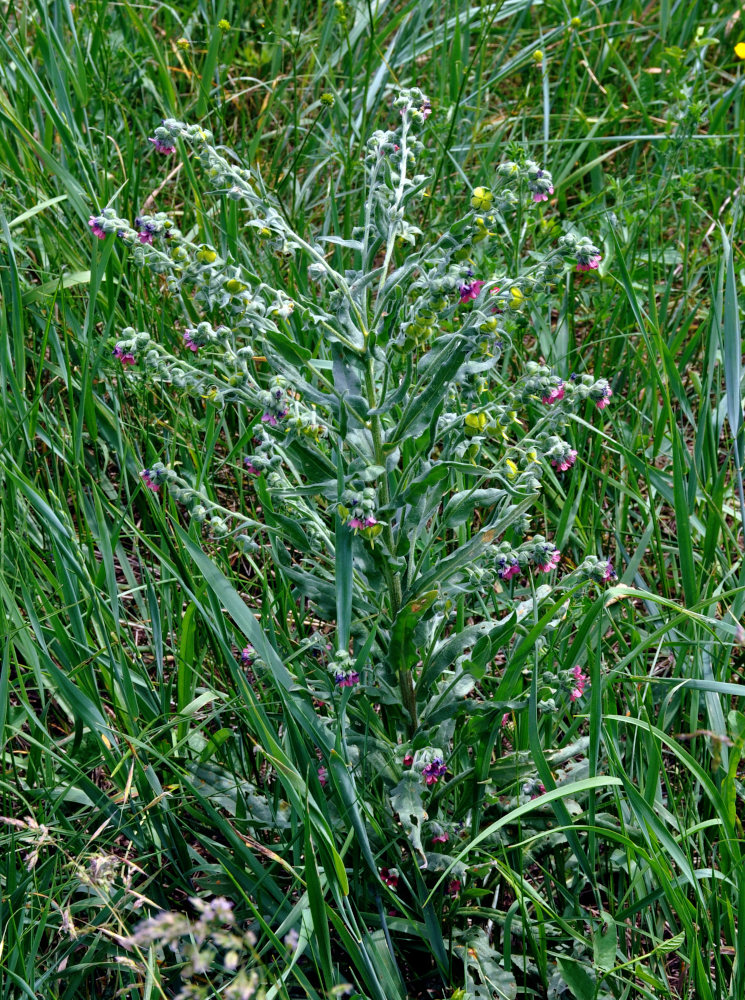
(211, 944)
(579, 681)
(357, 510)
(342, 670)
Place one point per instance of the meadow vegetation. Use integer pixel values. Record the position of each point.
(371, 445)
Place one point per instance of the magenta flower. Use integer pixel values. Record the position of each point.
(248, 655)
(323, 776)
(148, 480)
(513, 570)
(189, 342)
(566, 462)
(506, 719)
(589, 263)
(145, 237)
(441, 838)
(389, 876)
(470, 290)
(95, 223)
(356, 523)
(162, 147)
(553, 395)
(346, 679)
(541, 195)
(273, 419)
(580, 681)
(605, 400)
(454, 886)
(551, 561)
(433, 771)
(250, 467)
(124, 356)
(609, 573)
(408, 760)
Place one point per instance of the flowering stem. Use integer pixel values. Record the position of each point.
(393, 577)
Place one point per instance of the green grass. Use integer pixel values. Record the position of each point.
(128, 729)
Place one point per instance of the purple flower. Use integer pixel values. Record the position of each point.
(144, 236)
(323, 776)
(588, 263)
(248, 655)
(441, 838)
(347, 679)
(433, 771)
(605, 398)
(95, 223)
(189, 342)
(566, 462)
(506, 572)
(470, 290)
(553, 395)
(250, 467)
(609, 573)
(149, 481)
(273, 419)
(124, 356)
(162, 147)
(550, 561)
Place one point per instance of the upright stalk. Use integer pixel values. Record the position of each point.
(393, 577)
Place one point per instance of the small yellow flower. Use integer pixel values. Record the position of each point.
(205, 255)
(512, 469)
(223, 25)
(475, 422)
(183, 43)
(517, 298)
(481, 199)
(538, 56)
(740, 50)
(533, 455)
(576, 21)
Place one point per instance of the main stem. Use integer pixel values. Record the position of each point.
(393, 577)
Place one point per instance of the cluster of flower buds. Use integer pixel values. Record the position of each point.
(598, 570)
(542, 554)
(539, 383)
(357, 509)
(582, 250)
(540, 182)
(203, 334)
(559, 453)
(342, 670)
(264, 457)
(275, 401)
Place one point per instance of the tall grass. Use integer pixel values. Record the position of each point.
(128, 730)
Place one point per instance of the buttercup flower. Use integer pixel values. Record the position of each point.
(740, 50)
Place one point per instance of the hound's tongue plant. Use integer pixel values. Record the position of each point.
(397, 469)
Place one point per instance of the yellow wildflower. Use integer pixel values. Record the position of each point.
(740, 50)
